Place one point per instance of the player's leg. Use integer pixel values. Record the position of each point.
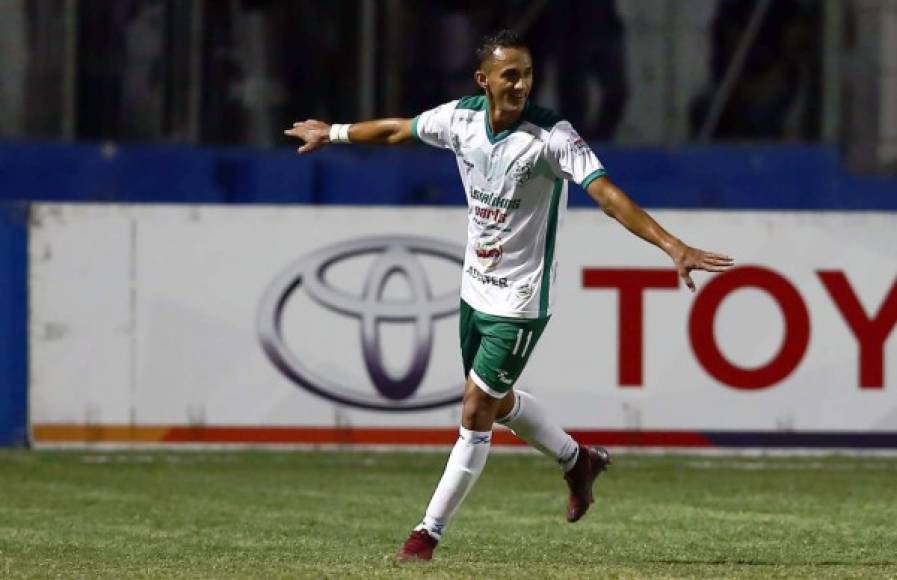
(529, 421)
(464, 466)
(503, 347)
(501, 361)
(522, 413)
(500, 357)
(466, 461)
(468, 456)
(582, 465)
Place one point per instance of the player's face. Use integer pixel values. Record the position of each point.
(508, 78)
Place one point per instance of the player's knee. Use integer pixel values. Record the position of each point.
(478, 411)
(506, 406)
(477, 419)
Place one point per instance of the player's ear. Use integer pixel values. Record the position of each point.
(480, 78)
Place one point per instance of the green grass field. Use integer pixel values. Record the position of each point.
(312, 515)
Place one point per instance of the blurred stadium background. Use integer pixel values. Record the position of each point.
(172, 273)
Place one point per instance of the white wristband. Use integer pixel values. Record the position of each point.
(339, 133)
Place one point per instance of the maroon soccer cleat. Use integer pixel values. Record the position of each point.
(590, 463)
(419, 546)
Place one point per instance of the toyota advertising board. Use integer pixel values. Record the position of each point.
(339, 325)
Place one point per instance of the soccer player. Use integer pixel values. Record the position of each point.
(515, 160)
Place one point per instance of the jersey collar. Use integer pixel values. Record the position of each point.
(495, 138)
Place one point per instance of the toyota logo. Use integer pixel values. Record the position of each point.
(393, 255)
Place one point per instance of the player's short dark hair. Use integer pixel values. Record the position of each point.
(505, 38)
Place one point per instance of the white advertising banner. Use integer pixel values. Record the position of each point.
(339, 324)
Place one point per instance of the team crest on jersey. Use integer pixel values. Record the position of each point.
(489, 254)
(521, 171)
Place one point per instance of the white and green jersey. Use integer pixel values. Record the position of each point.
(516, 185)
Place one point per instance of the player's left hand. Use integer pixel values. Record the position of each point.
(688, 259)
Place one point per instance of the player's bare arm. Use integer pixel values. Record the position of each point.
(315, 134)
(620, 206)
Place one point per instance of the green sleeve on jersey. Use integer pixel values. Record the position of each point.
(592, 177)
(414, 132)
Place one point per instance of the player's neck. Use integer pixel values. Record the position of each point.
(501, 120)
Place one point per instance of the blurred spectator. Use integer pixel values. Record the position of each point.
(442, 63)
(222, 114)
(316, 45)
(101, 63)
(13, 62)
(143, 77)
(122, 70)
(780, 71)
(44, 77)
(584, 39)
(268, 63)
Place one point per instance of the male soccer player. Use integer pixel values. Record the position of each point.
(515, 160)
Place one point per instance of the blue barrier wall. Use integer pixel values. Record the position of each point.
(738, 177)
(13, 323)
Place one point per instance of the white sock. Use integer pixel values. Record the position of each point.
(530, 422)
(461, 471)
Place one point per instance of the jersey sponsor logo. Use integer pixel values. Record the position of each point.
(393, 256)
(495, 201)
(525, 290)
(489, 214)
(486, 279)
(489, 253)
(579, 146)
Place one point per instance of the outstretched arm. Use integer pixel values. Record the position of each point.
(619, 206)
(316, 134)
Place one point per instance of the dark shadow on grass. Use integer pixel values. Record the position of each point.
(761, 563)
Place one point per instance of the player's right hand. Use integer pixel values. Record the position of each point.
(688, 259)
(314, 133)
